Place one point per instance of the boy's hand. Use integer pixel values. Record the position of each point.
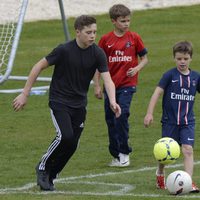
(148, 119)
(19, 102)
(116, 109)
(98, 92)
(132, 71)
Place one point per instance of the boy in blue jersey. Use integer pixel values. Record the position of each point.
(178, 86)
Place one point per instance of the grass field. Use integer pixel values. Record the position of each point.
(25, 135)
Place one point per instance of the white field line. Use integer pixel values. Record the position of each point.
(120, 189)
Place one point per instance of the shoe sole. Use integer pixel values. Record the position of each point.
(125, 165)
(194, 191)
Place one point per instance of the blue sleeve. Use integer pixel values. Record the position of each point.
(143, 52)
(165, 80)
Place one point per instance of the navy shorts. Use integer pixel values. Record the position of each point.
(182, 134)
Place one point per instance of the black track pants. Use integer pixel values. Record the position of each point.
(69, 124)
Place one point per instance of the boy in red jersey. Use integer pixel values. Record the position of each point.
(122, 48)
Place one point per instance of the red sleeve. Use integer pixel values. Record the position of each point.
(140, 48)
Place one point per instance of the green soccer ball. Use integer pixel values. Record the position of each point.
(166, 150)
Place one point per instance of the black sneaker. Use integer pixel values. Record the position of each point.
(52, 188)
(42, 179)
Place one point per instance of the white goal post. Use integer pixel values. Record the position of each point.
(11, 22)
(10, 30)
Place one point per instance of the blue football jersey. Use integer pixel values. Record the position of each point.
(179, 96)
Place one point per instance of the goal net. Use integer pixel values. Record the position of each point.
(11, 20)
(12, 13)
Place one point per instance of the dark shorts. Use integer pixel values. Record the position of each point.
(182, 134)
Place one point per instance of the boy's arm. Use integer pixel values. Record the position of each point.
(97, 85)
(134, 70)
(20, 101)
(110, 90)
(148, 119)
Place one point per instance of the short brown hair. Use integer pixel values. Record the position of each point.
(84, 20)
(183, 47)
(119, 10)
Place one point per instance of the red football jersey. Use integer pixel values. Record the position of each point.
(122, 54)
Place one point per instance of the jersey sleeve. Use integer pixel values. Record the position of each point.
(141, 50)
(102, 65)
(54, 56)
(165, 80)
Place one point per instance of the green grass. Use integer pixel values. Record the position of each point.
(25, 136)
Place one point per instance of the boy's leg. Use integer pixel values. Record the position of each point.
(110, 121)
(62, 147)
(167, 131)
(77, 119)
(52, 158)
(124, 98)
(160, 177)
(187, 141)
(188, 158)
(118, 128)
